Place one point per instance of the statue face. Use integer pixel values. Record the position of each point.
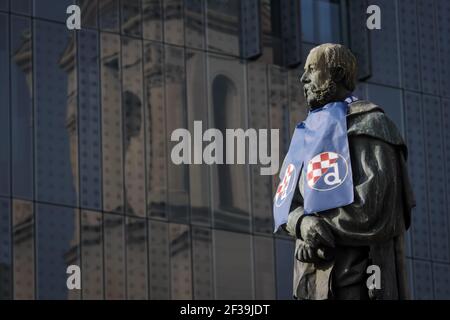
(318, 84)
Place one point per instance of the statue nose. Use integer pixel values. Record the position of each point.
(303, 78)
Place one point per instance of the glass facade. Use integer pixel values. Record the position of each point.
(86, 117)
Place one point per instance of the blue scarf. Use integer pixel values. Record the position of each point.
(319, 148)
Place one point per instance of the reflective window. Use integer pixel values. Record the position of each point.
(233, 276)
(194, 23)
(89, 120)
(134, 133)
(390, 100)
(284, 252)
(433, 128)
(180, 261)
(321, 21)
(159, 265)
(22, 107)
(155, 125)
(223, 26)
(131, 18)
(178, 182)
(385, 56)
(112, 152)
(202, 263)
(22, 6)
(89, 12)
(259, 119)
(4, 107)
(5, 250)
(4, 5)
(197, 106)
(265, 286)
(56, 153)
(114, 235)
(174, 22)
(57, 245)
(152, 19)
(24, 256)
(415, 141)
(298, 109)
(279, 112)
(136, 241)
(109, 15)
(92, 255)
(230, 183)
(52, 10)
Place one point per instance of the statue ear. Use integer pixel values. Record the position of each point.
(338, 74)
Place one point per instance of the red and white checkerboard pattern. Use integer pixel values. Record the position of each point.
(319, 165)
(284, 184)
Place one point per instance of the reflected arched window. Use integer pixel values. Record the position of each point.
(227, 115)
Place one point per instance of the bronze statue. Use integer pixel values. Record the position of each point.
(335, 247)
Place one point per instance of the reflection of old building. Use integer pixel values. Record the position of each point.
(85, 170)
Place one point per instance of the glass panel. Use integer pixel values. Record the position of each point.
(134, 115)
(4, 108)
(434, 160)
(429, 51)
(259, 120)
(279, 112)
(223, 26)
(178, 182)
(202, 261)
(22, 6)
(131, 18)
(321, 21)
(180, 262)
(89, 120)
(197, 106)
(114, 234)
(194, 23)
(24, 258)
(155, 130)
(52, 10)
(136, 259)
(233, 266)
(92, 255)
(173, 22)
(390, 100)
(384, 47)
(57, 247)
(284, 250)
(159, 265)
(415, 140)
(5, 250)
(264, 268)
(298, 109)
(22, 107)
(230, 183)
(113, 189)
(55, 114)
(152, 19)
(443, 25)
(409, 45)
(4, 5)
(89, 11)
(109, 15)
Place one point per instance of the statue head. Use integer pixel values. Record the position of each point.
(330, 74)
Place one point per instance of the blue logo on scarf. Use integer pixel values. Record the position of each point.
(318, 149)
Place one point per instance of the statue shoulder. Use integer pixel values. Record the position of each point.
(366, 118)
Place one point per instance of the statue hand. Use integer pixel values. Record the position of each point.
(307, 253)
(315, 232)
